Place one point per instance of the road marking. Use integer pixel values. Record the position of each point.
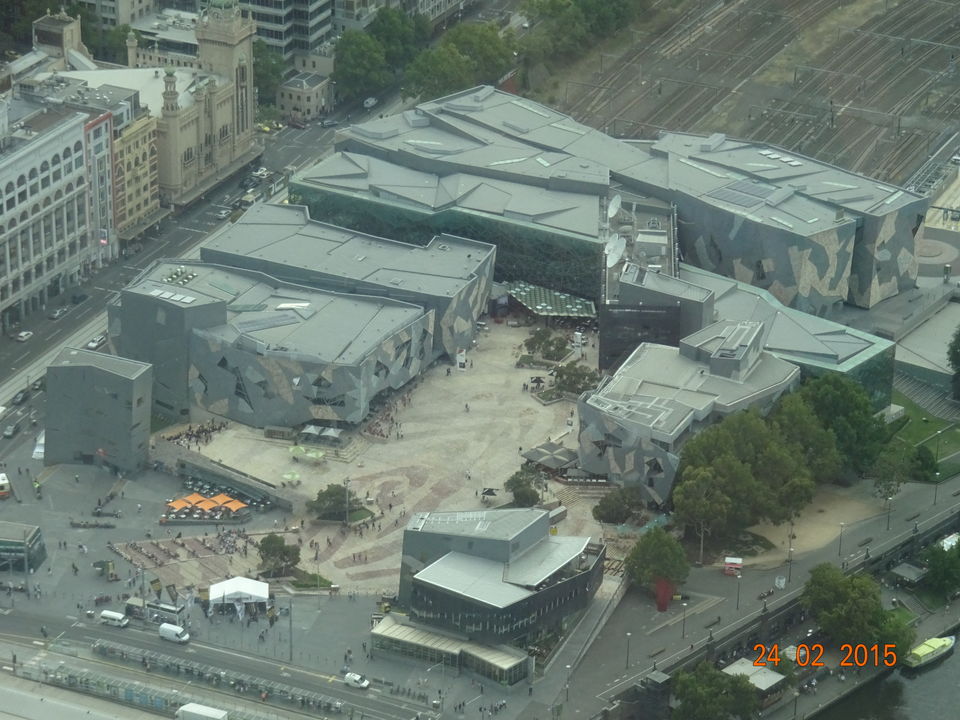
(202, 232)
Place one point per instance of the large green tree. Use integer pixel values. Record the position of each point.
(894, 466)
(268, 69)
(799, 426)
(657, 555)
(491, 54)
(439, 71)
(843, 407)
(330, 503)
(708, 694)
(943, 569)
(523, 486)
(618, 505)
(276, 555)
(848, 609)
(700, 502)
(360, 68)
(400, 36)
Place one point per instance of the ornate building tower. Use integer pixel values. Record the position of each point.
(225, 47)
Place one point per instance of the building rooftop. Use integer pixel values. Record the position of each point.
(492, 152)
(285, 235)
(492, 524)
(473, 577)
(15, 531)
(665, 390)
(169, 24)
(762, 678)
(77, 357)
(148, 81)
(30, 122)
(304, 81)
(58, 88)
(327, 326)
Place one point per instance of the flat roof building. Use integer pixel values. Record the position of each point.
(243, 345)
(544, 188)
(496, 576)
(99, 410)
(21, 548)
(449, 276)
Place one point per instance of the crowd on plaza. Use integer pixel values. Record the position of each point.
(197, 435)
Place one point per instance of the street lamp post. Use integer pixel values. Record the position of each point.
(627, 666)
(889, 508)
(938, 447)
(796, 698)
(840, 544)
(936, 487)
(683, 625)
(739, 576)
(568, 682)
(790, 565)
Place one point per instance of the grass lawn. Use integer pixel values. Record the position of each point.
(922, 429)
(932, 600)
(904, 614)
(360, 514)
(309, 581)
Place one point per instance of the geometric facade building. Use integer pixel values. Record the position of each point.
(99, 410)
(448, 276)
(550, 193)
(245, 346)
(496, 576)
(632, 425)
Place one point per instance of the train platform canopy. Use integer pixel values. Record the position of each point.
(550, 303)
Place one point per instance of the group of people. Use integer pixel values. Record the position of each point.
(197, 435)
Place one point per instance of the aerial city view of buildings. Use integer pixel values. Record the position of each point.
(264, 334)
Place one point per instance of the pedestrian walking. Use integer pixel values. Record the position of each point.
(76, 479)
(139, 507)
(466, 407)
(43, 630)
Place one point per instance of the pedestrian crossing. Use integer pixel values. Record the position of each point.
(935, 401)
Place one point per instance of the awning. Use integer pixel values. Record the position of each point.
(235, 505)
(194, 498)
(239, 588)
(550, 303)
(208, 504)
(178, 504)
(221, 499)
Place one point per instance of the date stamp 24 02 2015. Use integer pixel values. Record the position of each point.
(857, 655)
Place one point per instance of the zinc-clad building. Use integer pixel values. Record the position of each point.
(98, 410)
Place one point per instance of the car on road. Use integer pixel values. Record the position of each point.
(263, 127)
(249, 183)
(370, 103)
(298, 124)
(58, 313)
(79, 298)
(24, 335)
(40, 384)
(260, 173)
(98, 342)
(329, 123)
(21, 397)
(224, 214)
(12, 429)
(352, 679)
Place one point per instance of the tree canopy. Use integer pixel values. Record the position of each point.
(657, 555)
(268, 69)
(708, 694)
(843, 407)
(491, 54)
(276, 555)
(800, 427)
(701, 503)
(943, 569)
(521, 484)
(848, 609)
(439, 71)
(331, 502)
(618, 505)
(360, 68)
(400, 35)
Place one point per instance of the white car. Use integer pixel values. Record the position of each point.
(24, 336)
(224, 214)
(97, 342)
(356, 680)
(261, 173)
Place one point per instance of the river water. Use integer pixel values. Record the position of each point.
(933, 694)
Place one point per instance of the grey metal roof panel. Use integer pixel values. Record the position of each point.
(79, 357)
(472, 577)
(544, 559)
(496, 524)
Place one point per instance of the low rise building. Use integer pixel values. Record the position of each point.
(496, 576)
(305, 96)
(21, 548)
(98, 410)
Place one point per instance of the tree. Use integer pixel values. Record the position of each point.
(268, 69)
(360, 68)
(521, 484)
(330, 503)
(953, 360)
(439, 71)
(708, 694)
(847, 609)
(398, 35)
(617, 506)
(798, 425)
(843, 407)
(943, 569)
(486, 47)
(575, 378)
(538, 341)
(276, 555)
(894, 466)
(657, 556)
(700, 501)
(925, 465)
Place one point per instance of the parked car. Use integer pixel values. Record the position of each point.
(298, 124)
(58, 313)
(260, 173)
(21, 397)
(249, 183)
(224, 214)
(329, 123)
(24, 335)
(79, 298)
(352, 679)
(264, 128)
(370, 103)
(98, 342)
(12, 429)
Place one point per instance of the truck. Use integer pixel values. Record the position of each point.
(249, 199)
(195, 711)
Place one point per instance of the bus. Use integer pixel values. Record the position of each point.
(154, 611)
(4, 486)
(249, 199)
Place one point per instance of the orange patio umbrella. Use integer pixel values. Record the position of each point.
(195, 498)
(207, 504)
(235, 505)
(221, 499)
(178, 504)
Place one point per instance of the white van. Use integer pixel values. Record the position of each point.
(109, 617)
(174, 633)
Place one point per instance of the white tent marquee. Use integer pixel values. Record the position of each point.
(240, 589)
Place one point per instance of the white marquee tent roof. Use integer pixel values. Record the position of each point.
(239, 588)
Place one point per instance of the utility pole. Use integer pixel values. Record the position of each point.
(290, 627)
(346, 505)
